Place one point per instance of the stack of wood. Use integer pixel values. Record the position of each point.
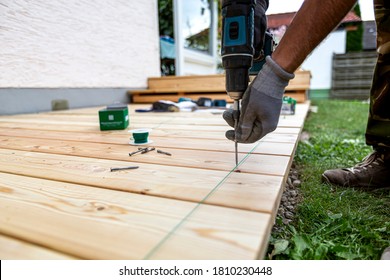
(210, 86)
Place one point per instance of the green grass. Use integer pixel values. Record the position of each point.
(334, 222)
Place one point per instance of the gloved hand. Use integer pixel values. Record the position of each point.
(261, 104)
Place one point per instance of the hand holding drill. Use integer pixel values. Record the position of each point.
(243, 43)
(260, 106)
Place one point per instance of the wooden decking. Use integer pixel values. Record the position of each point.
(59, 200)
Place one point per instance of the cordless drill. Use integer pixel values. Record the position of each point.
(238, 51)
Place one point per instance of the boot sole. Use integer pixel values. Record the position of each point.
(364, 187)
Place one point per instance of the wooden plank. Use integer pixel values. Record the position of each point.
(296, 92)
(189, 83)
(150, 98)
(286, 121)
(172, 119)
(211, 86)
(214, 82)
(137, 120)
(95, 223)
(44, 122)
(299, 95)
(256, 163)
(186, 236)
(189, 184)
(208, 124)
(15, 249)
(301, 80)
(158, 130)
(57, 191)
(124, 136)
(91, 114)
(196, 89)
(218, 145)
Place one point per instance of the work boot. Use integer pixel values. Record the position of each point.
(373, 172)
(386, 254)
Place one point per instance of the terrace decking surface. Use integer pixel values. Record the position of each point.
(59, 199)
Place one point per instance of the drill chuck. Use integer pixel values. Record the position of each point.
(237, 80)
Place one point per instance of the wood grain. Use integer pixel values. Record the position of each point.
(257, 163)
(94, 223)
(16, 249)
(190, 184)
(211, 86)
(58, 198)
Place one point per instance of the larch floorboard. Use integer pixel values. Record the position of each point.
(59, 199)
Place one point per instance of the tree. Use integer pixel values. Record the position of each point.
(355, 34)
(165, 17)
(165, 22)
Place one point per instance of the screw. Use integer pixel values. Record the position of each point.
(147, 150)
(123, 168)
(140, 150)
(165, 153)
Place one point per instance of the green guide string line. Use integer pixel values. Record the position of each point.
(163, 122)
(175, 228)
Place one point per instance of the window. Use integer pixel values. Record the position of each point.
(196, 25)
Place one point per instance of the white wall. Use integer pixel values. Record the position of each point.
(196, 63)
(78, 43)
(320, 60)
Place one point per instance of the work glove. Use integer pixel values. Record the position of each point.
(261, 104)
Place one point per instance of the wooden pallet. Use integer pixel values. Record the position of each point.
(212, 86)
(59, 200)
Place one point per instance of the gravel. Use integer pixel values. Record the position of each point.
(289, 201)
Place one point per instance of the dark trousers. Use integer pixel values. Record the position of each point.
(378, 126)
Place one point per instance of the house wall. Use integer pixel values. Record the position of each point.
(76, 45)
(320, 62)
(196, 63)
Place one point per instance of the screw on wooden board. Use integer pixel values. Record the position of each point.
(147, 150)
(165, 153)
(123, 168)
(140, 150)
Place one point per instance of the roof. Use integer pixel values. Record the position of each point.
(277, 20)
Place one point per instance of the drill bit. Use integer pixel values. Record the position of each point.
(237, 116)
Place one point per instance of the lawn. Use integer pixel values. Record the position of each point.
(334, 222)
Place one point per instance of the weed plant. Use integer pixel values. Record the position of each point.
(334, 222)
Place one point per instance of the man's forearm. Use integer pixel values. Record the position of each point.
(313, 22)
